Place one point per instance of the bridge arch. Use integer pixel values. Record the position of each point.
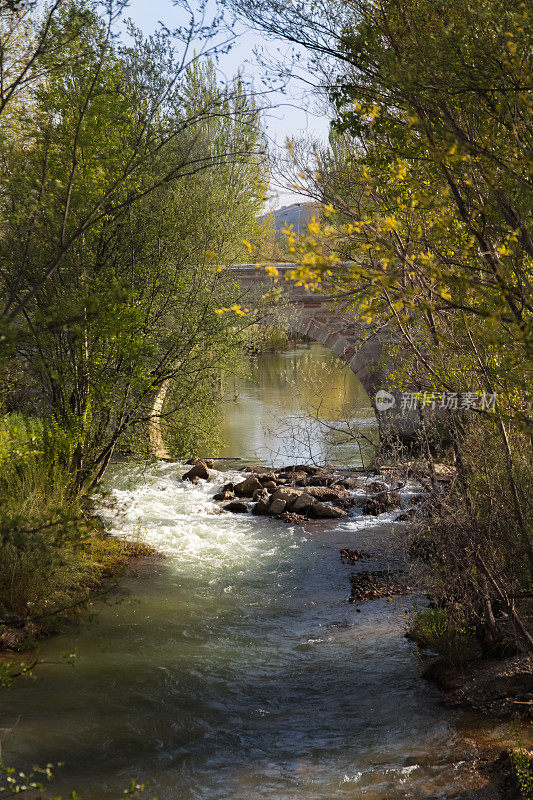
(324, 319)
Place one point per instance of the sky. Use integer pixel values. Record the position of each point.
(288, 114)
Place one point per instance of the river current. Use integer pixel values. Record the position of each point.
(235, 668)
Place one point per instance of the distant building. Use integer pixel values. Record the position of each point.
(297, 214)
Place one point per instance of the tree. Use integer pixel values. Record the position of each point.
(427, 186)
(74, 42)
(131, 305)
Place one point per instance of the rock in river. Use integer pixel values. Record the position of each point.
(377, 486)
(287, 494)
(267, 477)
(225, 494)
(237, 506)
(325, 511)
(247, 487)
(277, 507)
(199, 470)
(260, 508)
(372, 585)
(382, 502)
(326, 493)
(303, 503)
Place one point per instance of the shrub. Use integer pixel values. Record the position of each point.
(436, 629)
(53, 551)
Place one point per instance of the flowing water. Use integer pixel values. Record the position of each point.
(235, 668)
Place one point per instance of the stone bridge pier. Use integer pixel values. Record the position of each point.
(327, 320)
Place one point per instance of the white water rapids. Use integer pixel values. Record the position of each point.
(236, 669)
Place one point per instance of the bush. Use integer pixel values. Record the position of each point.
(268, 338)
(53, 551)
(474, 540)
(435, 629)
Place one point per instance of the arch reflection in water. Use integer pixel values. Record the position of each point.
(299, 405)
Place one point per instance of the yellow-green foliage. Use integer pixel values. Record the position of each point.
(265, 338)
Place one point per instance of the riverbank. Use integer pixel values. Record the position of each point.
(245, 628)
(103, 559)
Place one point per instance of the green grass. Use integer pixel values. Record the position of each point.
(54, 553)
(435, 629)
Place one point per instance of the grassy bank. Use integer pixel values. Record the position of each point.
(55, 555)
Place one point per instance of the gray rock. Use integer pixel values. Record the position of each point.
(346, 483)
(287, 494)
(225, 494)
(385, 501)
(267, 477)
(260, 508)
(247, 487)
(325, 511)
(303, 503)
(326, 492)
(299, 478)
(277, 507)
(318, 480)
(377, 486)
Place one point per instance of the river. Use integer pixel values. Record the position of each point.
(301, 405)
(235, 668)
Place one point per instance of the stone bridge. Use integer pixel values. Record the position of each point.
(327, 319)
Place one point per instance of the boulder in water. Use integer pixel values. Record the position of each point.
(303, 503)
(260, 508)
(277, 507)
(298, 478)
(325, 511)
(259, 494)
(377, 486)
(247, 487)
(325, 493)
(319, 480)
(225, 494)
(286, 493)
(346, 483)
(237, 506)
(382, 502)
(198, 470)
(267, 477)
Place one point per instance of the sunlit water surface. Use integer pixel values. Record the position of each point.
(299, 405)
(236, 669)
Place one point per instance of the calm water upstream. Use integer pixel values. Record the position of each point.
(237, 669)
(272, 416)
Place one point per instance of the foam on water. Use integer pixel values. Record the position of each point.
(238, 669)
(181, 520)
